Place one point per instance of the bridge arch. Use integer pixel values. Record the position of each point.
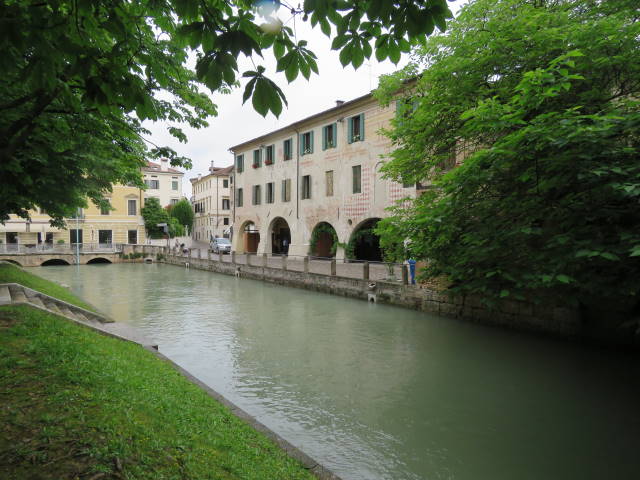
(54, 261)
(99, 260)
(364, 243)
(12, 261)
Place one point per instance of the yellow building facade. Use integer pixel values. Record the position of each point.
(122, 223)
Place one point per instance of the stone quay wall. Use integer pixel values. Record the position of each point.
(519, 315)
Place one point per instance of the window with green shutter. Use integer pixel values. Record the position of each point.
(357, 178)
(257, 158)
(288, 149)
(356, 128)
(240, 163)
(329, 134)
(306, 143)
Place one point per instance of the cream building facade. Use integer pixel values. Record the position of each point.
(122, 223)
(314, 186)
(212, 196)
(163, 182)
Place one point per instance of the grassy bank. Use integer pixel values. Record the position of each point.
(12, 274)
(76, 404)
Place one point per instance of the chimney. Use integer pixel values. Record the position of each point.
(211, 168)
(199, 176)
(164, 164)
(339, 102)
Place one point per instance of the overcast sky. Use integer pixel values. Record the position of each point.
(237, 123)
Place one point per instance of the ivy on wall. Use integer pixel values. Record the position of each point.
(315, 236)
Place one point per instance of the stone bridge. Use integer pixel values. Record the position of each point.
(61, 255)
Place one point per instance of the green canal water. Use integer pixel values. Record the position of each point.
(378, 392)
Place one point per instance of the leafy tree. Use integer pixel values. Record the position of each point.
(544, 109)
(175, 228)
(154, 214)
(79, 76)
(183, 212)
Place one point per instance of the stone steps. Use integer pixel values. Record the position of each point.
(37, 301)
(5, 295)
(17, 295)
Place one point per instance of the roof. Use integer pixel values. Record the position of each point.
(156, 167)
(337, 108)
(214, 172)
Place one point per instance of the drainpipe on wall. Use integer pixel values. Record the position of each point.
(297, 173)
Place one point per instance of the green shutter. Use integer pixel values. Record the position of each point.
(300, 143)
(311, 146)
(335, 134)
(324, 138)
(350, 130)
(362, 127)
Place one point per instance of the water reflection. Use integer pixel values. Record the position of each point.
(381, 392)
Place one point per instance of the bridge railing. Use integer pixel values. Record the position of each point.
(68, 248)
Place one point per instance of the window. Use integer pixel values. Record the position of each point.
(75, 236)
(306, 187)
(240, 163)
(152, 184)
(288, 149)
(239, 197)
(225, 183)
(257, 195)
(270, 192)
(225, 221)
(405, 107)
(104, 210)
(286, 190)
(104, 236)
(328, 177)
(173, 201)
(306, 143)
(268, 155)
(132, 207)
(357, 178)
(356, 128)
(329, 136)
(174, 185)
(226, 205)
(132, 236)
(257, 158)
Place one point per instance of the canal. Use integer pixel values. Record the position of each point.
(379, 392)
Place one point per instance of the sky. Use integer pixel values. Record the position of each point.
(237, 123)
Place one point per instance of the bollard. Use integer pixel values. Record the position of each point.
(190, 252)
(306, 264)
(333, 267)
(208, 254)
(284, 263)
(199, 254)
(220, 257)
(248, 259)
(265, 260)
(405, 275)
(365, 270)
(233, 257)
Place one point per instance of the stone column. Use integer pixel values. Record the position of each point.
(365, 270)
(284, 263)
(208, 254)
(333, 267)
(220, 257)
(306, 264)
(199, 254)
(233, 257)
(248, 255)
(265, 260)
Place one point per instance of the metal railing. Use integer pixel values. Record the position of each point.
(72, 248)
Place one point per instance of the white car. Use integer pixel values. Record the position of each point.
(220, 245)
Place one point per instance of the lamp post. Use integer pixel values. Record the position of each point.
(77, 237)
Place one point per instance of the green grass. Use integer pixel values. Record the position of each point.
(76, 404)
(12, 274)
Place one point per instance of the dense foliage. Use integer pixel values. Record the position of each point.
(183, 213)
(537, 104)
(153, 214)
(79, 76)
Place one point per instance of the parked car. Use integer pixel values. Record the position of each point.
(220, 245)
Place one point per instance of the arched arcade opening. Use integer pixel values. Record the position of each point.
(250, 237)
(364, 243)
(280, 235)
(324, 241)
